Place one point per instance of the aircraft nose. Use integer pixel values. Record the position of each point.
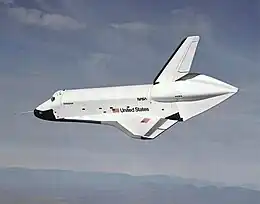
(44, 115)
(37, 113)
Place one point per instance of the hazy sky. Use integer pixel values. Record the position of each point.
(48, 45)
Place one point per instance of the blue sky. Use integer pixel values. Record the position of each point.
(49, 45)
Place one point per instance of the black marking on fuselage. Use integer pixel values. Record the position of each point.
(146, 138)
(188, 76)
(49, 116)
(78, 121)
(165, 65)
(68, 103)
(45, 115)
(175, 116)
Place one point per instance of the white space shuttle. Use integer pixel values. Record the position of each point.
(143, 111)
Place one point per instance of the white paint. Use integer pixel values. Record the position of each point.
(143, 111)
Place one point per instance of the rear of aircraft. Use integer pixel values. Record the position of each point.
(202, 93)
(193, 93)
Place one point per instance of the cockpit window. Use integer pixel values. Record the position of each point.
(52, 98)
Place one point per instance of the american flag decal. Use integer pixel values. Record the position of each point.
(145, 120)
(115, 110)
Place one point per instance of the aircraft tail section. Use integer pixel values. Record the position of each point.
(215, 96)
(179, 63)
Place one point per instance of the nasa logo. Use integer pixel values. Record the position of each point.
(141, 99)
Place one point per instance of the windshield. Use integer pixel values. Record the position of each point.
(56, 97)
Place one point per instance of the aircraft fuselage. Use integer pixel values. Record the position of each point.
(143, 111)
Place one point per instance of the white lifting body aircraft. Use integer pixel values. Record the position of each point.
(143, 111)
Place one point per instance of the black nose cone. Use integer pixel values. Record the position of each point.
(45, 115)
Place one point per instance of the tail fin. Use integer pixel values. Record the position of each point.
(180, 61)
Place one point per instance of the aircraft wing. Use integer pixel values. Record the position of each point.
(179, 63)
(142, 127)
(135, 126)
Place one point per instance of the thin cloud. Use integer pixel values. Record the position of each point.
(7, 1)
(133, 26)
(39, 18)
